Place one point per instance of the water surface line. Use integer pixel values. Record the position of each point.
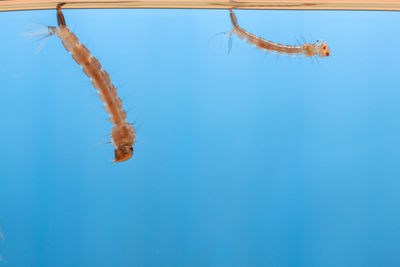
(387, 5)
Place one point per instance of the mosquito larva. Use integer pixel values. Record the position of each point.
(122, 133)
(319, 48)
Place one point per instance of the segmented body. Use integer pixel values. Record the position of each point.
(308, 50)
(123, 133)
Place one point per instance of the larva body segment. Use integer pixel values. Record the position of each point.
(119, 102)
(113, 89)
(106, 77)
(123, 134)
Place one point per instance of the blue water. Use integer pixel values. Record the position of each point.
(242, 159)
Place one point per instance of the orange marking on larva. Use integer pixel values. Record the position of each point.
(306, 50)
(122, 134)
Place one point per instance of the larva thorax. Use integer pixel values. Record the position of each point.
(309, 50)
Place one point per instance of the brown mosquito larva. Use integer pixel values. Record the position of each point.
(123, 133)
(319, 48)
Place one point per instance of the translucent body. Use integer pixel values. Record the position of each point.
(307, 50)
(123, 134)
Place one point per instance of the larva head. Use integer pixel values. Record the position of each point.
(123, 153)
(323, 50)
(123, 138)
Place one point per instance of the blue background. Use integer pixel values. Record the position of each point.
(246, 159)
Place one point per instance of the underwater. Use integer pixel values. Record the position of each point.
(247, 150)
